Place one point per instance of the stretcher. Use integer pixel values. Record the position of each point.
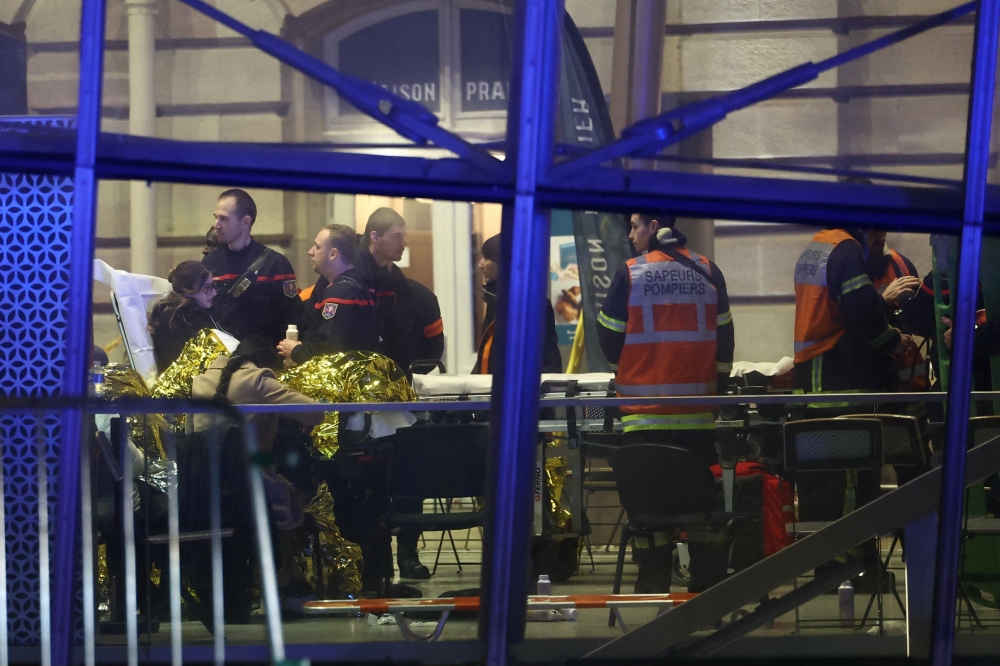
(447, 605)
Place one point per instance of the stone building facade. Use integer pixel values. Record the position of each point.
(902, 110)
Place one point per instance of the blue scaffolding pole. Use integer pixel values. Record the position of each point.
(523, 267)
(78, 325)
(952, 486)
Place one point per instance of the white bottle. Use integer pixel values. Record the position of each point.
(845, 599)
(292, 333)
(543, 588)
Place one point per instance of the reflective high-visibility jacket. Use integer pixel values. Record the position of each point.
(896, 267)
(912, 364)
(843, 340)
(666, 317)
(818, 326)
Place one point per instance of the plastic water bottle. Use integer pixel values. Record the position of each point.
(292, 333)
(96, 387)
(543, 588)
(845, 598)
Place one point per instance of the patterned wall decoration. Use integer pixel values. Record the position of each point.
(35, 219)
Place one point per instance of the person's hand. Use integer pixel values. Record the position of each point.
(905, 341)
(901, 288)
(286, 346)
(947, 332)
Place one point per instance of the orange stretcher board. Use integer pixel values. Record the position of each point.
(396, 607)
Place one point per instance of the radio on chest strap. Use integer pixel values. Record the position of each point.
(247, 279)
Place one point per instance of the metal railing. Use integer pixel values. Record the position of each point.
(726, 596)
(39, 408)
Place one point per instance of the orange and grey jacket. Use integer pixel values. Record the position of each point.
(668, 327)
(912, 363)
(896, 266)
(839, 313)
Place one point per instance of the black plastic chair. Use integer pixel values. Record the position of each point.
(438, 462)
(983, 429)
(847, 443)
(666, 490)
(426, 365)
(902, 446)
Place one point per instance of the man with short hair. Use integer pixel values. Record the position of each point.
(895, 279)
(667, 325)
(341, 317)
(892, 274)
(382, 245)
(843, 343)
(256, 290)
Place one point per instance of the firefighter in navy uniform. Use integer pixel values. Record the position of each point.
(896, 280)
(256, 294)
(666, 324)
(340, 316)
(894, 276)
(918, 318)
(843, 343)
(381, 246)
(421, 328)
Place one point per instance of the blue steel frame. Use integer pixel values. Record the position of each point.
(78, 327)
(528, 191)
(984, 62)
(525, 240)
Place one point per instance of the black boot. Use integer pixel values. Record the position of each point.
(655, 567)
(407, 558)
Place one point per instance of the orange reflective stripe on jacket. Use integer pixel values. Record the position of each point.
(818, 326)
(485, 347)
(670, 341)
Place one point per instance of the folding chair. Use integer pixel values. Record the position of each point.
(666, 490)
(902, 446)
(439, 462)
(827, 445)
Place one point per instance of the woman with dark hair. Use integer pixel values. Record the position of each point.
(248, 378)
(176, 318)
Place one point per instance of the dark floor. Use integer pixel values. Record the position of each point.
(818, 631)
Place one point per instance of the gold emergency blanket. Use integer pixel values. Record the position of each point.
(123, 382)
(339, 559)
(346, 377)
(198, 354)
(555, 480)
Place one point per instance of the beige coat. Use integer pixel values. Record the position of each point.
(251, 385)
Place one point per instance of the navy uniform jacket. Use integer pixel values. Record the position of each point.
(389, 288)
(339, 318)
(422, 331)
(267, 307)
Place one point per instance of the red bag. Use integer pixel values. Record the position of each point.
(778, 505)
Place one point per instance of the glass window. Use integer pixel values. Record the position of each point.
(486, 44)
(401, 54)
